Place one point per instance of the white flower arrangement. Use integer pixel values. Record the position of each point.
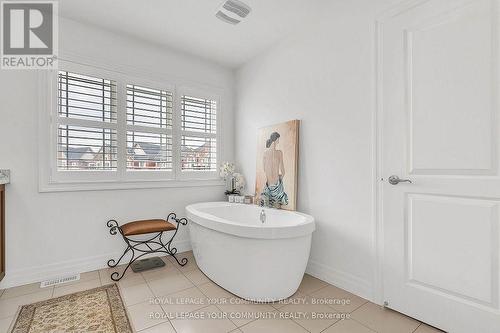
(226, 170)
(239, 182)
(235, 180)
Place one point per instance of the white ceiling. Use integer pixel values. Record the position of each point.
(191, 26)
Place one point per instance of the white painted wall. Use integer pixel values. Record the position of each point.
(48, 234)
(323, 76)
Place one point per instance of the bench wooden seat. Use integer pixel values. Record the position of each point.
(146, 226)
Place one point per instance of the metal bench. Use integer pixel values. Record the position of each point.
(140, 248)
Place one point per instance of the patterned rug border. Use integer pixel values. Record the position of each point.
(121, 322)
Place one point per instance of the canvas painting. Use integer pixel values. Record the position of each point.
(277, 162)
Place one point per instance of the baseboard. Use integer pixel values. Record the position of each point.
(44, 272)
(349, 282)
(346, 281)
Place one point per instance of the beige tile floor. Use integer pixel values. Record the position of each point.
(184, 300)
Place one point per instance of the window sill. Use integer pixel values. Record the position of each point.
(126, 185)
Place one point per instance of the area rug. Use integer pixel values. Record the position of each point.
(96, 310)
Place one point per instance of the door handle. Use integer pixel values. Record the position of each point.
(395, 180)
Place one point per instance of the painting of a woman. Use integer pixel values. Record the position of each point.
(277, 162)
(274, 170)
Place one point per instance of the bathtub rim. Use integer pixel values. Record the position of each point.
(247, 231)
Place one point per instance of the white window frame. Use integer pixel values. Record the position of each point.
(205, 94)
(52, 180)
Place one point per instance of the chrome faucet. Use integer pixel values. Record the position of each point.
(263, 216)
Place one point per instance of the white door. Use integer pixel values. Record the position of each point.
(439, 66)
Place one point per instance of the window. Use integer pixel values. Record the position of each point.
(198, 134)
(86, 123)
(149, 128)
(108, 127)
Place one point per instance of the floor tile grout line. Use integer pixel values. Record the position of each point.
(192, 312)
(187, 277)
(359, 307)
(331, 325)
(174, 292)
(365, 325)
(296, 322)
(159, 269)
(417, 328)
(172, 263)
(332, 285)
(373, 329)
(172, 324)
(270, 304)
(235, 325)
(327, 285)
(340, 320)
(343, 311)
(277, 310)
(315, 290)
(238, 327)
(30, 293)
(251, 321)
(245, 324)
(3, 297)
(147, 328)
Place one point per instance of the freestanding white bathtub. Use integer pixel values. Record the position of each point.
(257, 261)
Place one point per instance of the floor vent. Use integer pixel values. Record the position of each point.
(60, 280)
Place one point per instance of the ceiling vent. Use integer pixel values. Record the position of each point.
(233, 11)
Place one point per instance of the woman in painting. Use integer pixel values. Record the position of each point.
(275, 171)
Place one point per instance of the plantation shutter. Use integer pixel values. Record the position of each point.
(149, 128)
(86, 123)
(198, 134)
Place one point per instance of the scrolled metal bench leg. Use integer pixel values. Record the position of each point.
(114, 228)
(112, 263)
(115, 276)
(183, 261)
(172, 250)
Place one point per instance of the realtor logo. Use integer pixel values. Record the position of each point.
(29, 35)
